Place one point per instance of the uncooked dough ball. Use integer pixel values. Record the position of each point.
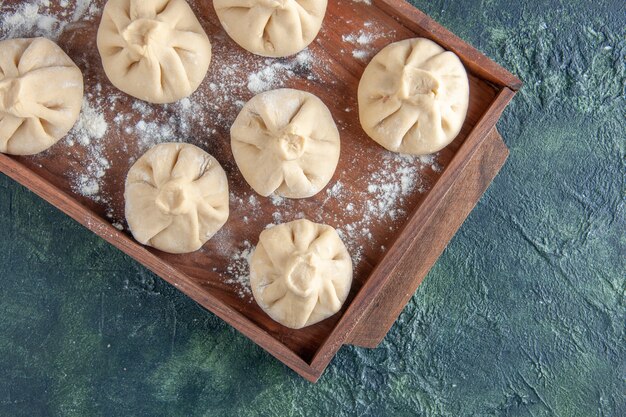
(300, 273)
(413, 97)
(155, 50)
(285, 141)
(176, 197)
(41, 92)
(275, 28)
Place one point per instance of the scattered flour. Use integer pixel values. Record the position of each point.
(87, 186)
(335, 190)
(277, 200)
(184, 117)
(90, 125)
(388, 188)
(390, 184)
(238, 271)
(360, 54)
(152, 133)
(275, 72)
(359, 38)
(362, 41)
(35, 18)
(254, 202)
(89, 132)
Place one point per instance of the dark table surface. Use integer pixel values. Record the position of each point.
(523, 315)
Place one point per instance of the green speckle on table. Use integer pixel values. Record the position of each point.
(523, 315)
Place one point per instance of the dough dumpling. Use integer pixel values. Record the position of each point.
(300, 273)
(413, 97)
(176, 198)
(274, 28)
(285, 141)
(41, 93)
(154, 50)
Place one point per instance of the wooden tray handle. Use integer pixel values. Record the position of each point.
(454, 208)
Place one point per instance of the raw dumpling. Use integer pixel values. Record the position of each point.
(286, 141)
(275, 28)
(300, 273)
(154, 50)
(41, 92)
(413, 97)
(176, 197)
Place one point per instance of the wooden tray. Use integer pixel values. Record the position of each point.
(393, 249)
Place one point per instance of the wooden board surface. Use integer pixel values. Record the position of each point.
(432, 239)
(380, 236)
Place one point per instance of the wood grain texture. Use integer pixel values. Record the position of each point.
(389, 265)
(431, 240)
(200, 275)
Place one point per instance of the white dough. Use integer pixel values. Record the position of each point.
(274, 28)
(413, 97)
(41, 93)
(300, 273)
(176, 198)
(154, 50)
(285, 141)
